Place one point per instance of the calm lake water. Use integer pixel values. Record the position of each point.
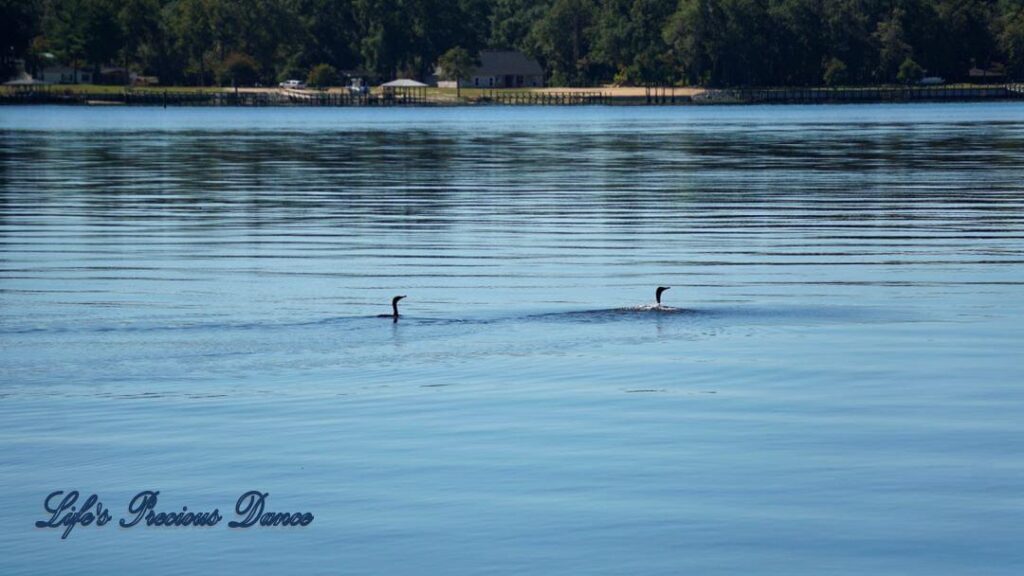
(188, 302)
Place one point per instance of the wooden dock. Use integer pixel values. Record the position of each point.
(165, 98)
(417, 96)
(880, 94)
(543, 98)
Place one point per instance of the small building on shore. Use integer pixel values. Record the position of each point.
(60, 74)
(991, 75)
(501, 69)
(115, 75)
(53, 73)
(48, 70)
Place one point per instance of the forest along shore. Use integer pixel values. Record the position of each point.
(576, 42)
(648, 95)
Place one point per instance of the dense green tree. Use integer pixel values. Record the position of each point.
(629, 42)
(64, 33)
(323, 75)
(102, 32)
(263, 29)
(847, 38)
(797, 41)
(238, 69)
(437, 25)
(579, 42)
(836, 73)
(190, 26)
(893, 49)
(19, 25)
(1010, 35)
(562, 39)
(688, 33)
(139, 21)
(326, 33)
(456, 65)
(962, 36)
(384, 37)
(910, 71)
(512, 20)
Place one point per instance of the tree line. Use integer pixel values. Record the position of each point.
(578, 42)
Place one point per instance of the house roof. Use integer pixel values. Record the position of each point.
(981, 73)
(501, 62)
(62, 69)
(403, 83)
(24, 81)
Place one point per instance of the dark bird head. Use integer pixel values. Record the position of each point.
(657, 293)
(394, 306)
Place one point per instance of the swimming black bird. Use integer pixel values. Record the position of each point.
(657, 293)
(394, 308)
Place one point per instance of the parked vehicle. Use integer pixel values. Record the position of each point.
(294, 84)
(931, 81)
(358, 87)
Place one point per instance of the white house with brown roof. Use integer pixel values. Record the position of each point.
(501, 69)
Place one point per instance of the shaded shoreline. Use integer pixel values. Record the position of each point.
(641, 96)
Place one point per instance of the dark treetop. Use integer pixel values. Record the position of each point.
(578, 42)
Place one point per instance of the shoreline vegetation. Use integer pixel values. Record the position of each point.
(77, 94)
(716, 44)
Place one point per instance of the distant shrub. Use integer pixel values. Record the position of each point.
(292, 72)
(323, 75)
(910, 71)
(238, 69)
(835, 72)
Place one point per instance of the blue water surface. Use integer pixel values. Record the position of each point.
(189, 301)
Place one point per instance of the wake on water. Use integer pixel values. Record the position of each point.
(659, 308)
